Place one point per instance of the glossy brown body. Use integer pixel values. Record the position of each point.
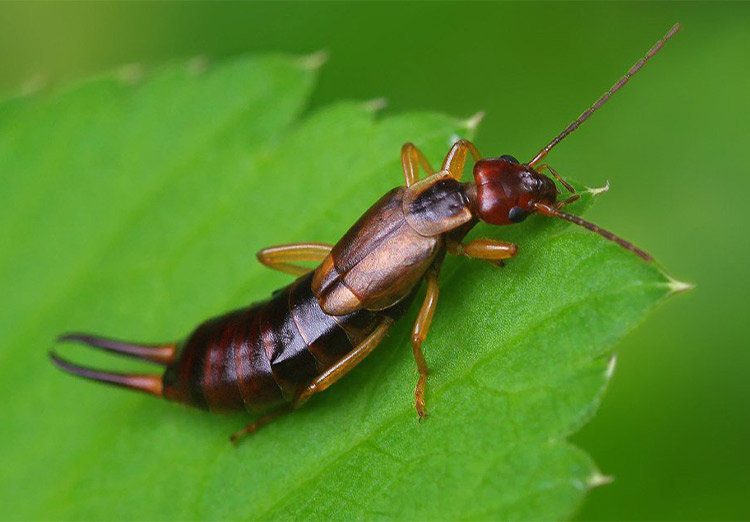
(265, 355)
(308, 335)
(387, 252)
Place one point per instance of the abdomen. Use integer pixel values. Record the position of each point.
(265, 355)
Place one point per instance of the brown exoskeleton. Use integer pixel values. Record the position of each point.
(274, 355)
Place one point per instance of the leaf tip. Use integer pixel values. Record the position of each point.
(595, 191)
(131, 73)
(598, 479)
(314, 61)
(197, 65)
(677, 287)
(378, 104)
(473, 121)
(610, 371)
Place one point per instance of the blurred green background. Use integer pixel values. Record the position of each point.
(674, 426)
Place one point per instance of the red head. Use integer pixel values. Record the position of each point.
(507, 190)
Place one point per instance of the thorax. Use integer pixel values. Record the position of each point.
(386, 253)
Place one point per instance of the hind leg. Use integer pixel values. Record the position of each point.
(323, 381)
(345, 365)
(259, 423)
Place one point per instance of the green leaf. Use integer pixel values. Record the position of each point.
(133, 208)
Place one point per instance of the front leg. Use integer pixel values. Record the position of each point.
(456, 158)
(487, 249)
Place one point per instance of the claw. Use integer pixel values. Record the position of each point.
(160, 354)
(151, 384)
(419, 404)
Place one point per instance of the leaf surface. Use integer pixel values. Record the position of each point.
(134, 209)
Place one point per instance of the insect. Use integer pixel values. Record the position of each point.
(271, 357)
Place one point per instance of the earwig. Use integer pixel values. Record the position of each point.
(272, 356)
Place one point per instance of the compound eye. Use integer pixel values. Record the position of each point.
(509, 159)
(517, 214)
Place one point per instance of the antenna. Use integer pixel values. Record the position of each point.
(606, 96)
(547, 210)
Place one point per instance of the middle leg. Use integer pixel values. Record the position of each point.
(284, 257)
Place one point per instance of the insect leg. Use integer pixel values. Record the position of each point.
(258, 423)
(456, 158)
(342, 367)
(419, 334)
(324, 380)
(487, 249)
(284, 257)
(411, 159)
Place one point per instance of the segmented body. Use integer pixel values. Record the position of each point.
(265, 355)
(312, 332)
(274, 352)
